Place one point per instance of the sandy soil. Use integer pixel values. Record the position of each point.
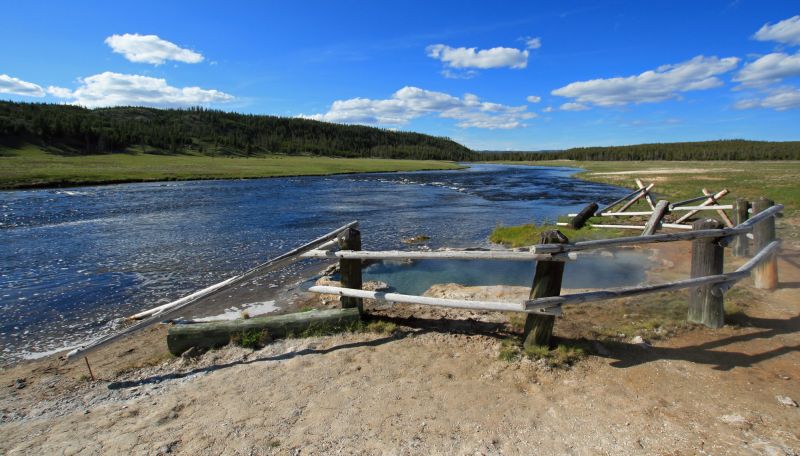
(666, 171)
(435, 386)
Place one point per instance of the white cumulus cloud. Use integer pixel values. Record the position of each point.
(16, 86)
(779, 99)
(150, 49)
(115, 89)
(410, 103)
(769, 68)
(786, 31)
(533, 99)
(498, 57)
(665, 82)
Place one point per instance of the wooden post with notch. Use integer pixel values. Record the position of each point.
(741, 245)
(705, 302)
(546, 282)
(645, 194)
(721, 213)
(662, 208)
(766, 273)
(350, 270)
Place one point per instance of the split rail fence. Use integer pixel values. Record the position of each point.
(707, 284)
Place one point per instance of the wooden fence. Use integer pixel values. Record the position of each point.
(707, 284)
(658, 210)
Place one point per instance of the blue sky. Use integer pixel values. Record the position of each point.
(491, 75)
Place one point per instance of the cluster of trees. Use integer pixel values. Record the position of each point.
(76, 130)
(735, 149)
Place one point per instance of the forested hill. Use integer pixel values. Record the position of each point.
(735, 149)
(74, 130)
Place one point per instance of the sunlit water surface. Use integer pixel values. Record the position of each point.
(75, 260)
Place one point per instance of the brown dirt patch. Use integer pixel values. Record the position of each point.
(434, 387)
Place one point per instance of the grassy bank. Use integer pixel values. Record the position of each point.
(676, 180)
(32, 167)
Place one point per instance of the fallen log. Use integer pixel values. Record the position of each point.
(182, 337)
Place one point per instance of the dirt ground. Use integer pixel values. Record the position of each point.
(436, 386)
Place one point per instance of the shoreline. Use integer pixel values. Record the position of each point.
(344, 383)
(32, 170)
(99, 183)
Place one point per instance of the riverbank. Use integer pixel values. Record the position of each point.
(437, 385)
(34, 168)
(677, 180)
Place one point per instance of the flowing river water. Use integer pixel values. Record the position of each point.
(73, 261)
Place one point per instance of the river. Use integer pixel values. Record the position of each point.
(73, 261)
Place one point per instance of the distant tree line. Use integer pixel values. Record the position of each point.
(734, 149)
(76, 130)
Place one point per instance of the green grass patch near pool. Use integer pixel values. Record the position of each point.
(530, 234)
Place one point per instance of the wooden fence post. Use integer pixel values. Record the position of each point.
(546, 282)
(647, 194)
(350, 270)
(706, 305)
(766, 273)
(662, 208)
(585, 214)
(741, 245)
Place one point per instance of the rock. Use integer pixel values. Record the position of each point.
(736, 421)
(167, 449)
(786, 400)
(640, 341)
(418, 239)
(192, 352)
(375, 285)
(20, 383)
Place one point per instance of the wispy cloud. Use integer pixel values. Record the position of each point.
(410, 103)
(16, 86)
(150, 49)
(780, 99)
(573, 107)
(665, 82)
(532, 42)
(533, 99)
(786, 31)
(115, 89)
(459, 74)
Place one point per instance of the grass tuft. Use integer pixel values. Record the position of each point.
(252, 339)
(561, 357)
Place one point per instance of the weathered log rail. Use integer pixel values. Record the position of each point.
(658, 213)
(155, 315)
